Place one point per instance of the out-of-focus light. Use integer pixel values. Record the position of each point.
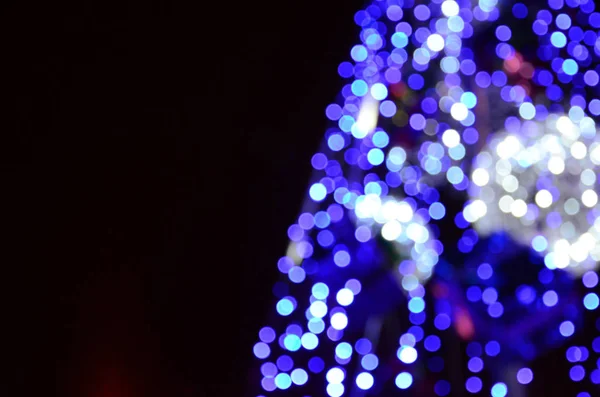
(404, 380)
(499, 390)
(407, 354)
(364, 380)
(335, 375)
(525, 376)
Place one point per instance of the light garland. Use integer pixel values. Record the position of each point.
(418, 106)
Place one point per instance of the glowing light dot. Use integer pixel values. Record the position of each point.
(492, 348)
(524, 376)
(292, 342)
(499, 390)
(339, 321)
(435, 42)
(539, 243)
(343, 350)
(369, 362)
(283, 381)
(556, 165)
(285, 307)
(558, 39)
(480, 177)
(364, 380)
(563, 21)
(577, 373)
(320, 290)
(451, 138)
(399, 39)
(510, 183)
(459, 111)
(475, 364)
(566, 328)
(309, 341)
(262, 350)
(407, 354)
(317, 192)
(469, 99)
(485, 271)
(345, 297)
(590, 279)
(543, 198)
(341, 258)
(527, 110)
(359, 88)
(589, 198)
(335, 389)
(318, 309)
(450, 8)
(473, 384)
(570, 67)
(335, 375)
(299, 376)
(404, 380)
(437, 210)
(375, 156)
(359, 53)
(591, 301)
(550, 298)
(578, 150)
(391, 230)
(379, 91)
(416, 305)
(518, 208)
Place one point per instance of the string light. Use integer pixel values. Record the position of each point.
(408, 123)
(530, 182)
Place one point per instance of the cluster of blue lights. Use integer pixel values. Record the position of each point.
(416, 119)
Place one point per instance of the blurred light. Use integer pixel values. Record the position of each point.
(473, 385)
(262, 350)
(577, 373)
(407, 354)
(492, 348)
(309, 341)
(345, 297)
(335, 375)
(343, 350)
(404, 380)
(299, 376)
(283, 381)
(364, 380)
(499, 390)
(525, 376)
(339, 321)
(369, 362)
(591, 301)
(566, 328)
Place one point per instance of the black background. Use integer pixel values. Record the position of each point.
(153, 156)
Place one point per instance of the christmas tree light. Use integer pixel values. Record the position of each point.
(379, 296)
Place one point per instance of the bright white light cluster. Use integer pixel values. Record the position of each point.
(539, 184)
(398, 223)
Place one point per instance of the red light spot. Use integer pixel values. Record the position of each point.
(440, 290)
(463, 323)
(526, 70)
(512, 65)
(398, 89)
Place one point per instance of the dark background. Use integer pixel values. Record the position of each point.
(153, 156)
